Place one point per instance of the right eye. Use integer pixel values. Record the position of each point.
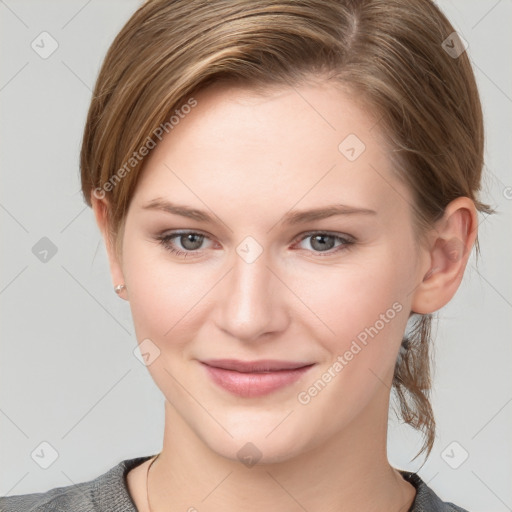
(190, 242)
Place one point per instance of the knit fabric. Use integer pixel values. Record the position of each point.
(109, 493)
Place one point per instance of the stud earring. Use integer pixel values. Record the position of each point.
(119, 288)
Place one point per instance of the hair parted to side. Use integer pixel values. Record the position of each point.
(387, 52)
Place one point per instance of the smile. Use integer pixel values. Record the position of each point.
(254, 378)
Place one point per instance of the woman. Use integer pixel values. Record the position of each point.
(287, 191)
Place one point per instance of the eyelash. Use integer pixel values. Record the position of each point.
(165, 241)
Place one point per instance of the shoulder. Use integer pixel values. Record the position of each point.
(107, 492)
(59, 499)
(426, 499)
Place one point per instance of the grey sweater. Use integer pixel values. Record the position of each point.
(109, 493)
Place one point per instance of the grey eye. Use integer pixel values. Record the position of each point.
(191, 241)
(322, 242)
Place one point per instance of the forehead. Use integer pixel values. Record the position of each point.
(313, 143)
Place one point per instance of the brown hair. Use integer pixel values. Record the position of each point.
(394, 53)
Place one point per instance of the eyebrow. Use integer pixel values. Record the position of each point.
(292, 217)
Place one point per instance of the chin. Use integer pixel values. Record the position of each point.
(258, 451)
(254, 443)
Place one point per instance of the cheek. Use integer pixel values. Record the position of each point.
(365, 304)
(164, 296)
(357, 294)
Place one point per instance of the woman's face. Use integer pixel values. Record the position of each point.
(258, 279)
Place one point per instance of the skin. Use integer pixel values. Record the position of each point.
(248, 160)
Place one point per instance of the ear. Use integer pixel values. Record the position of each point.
(100, 208)
(449, 247)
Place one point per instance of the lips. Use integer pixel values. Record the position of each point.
(254, 378)
(262, 366)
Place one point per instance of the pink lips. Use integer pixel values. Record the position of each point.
(254, 378)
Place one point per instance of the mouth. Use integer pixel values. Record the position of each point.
(254, 378)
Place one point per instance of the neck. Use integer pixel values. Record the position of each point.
(349, 472)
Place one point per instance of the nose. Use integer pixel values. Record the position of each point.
(253, 300)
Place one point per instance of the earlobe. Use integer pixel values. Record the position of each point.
(452, 239)
(100, 208)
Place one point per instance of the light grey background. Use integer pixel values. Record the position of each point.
(68, 373)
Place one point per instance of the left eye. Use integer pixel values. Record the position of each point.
(323, 242)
